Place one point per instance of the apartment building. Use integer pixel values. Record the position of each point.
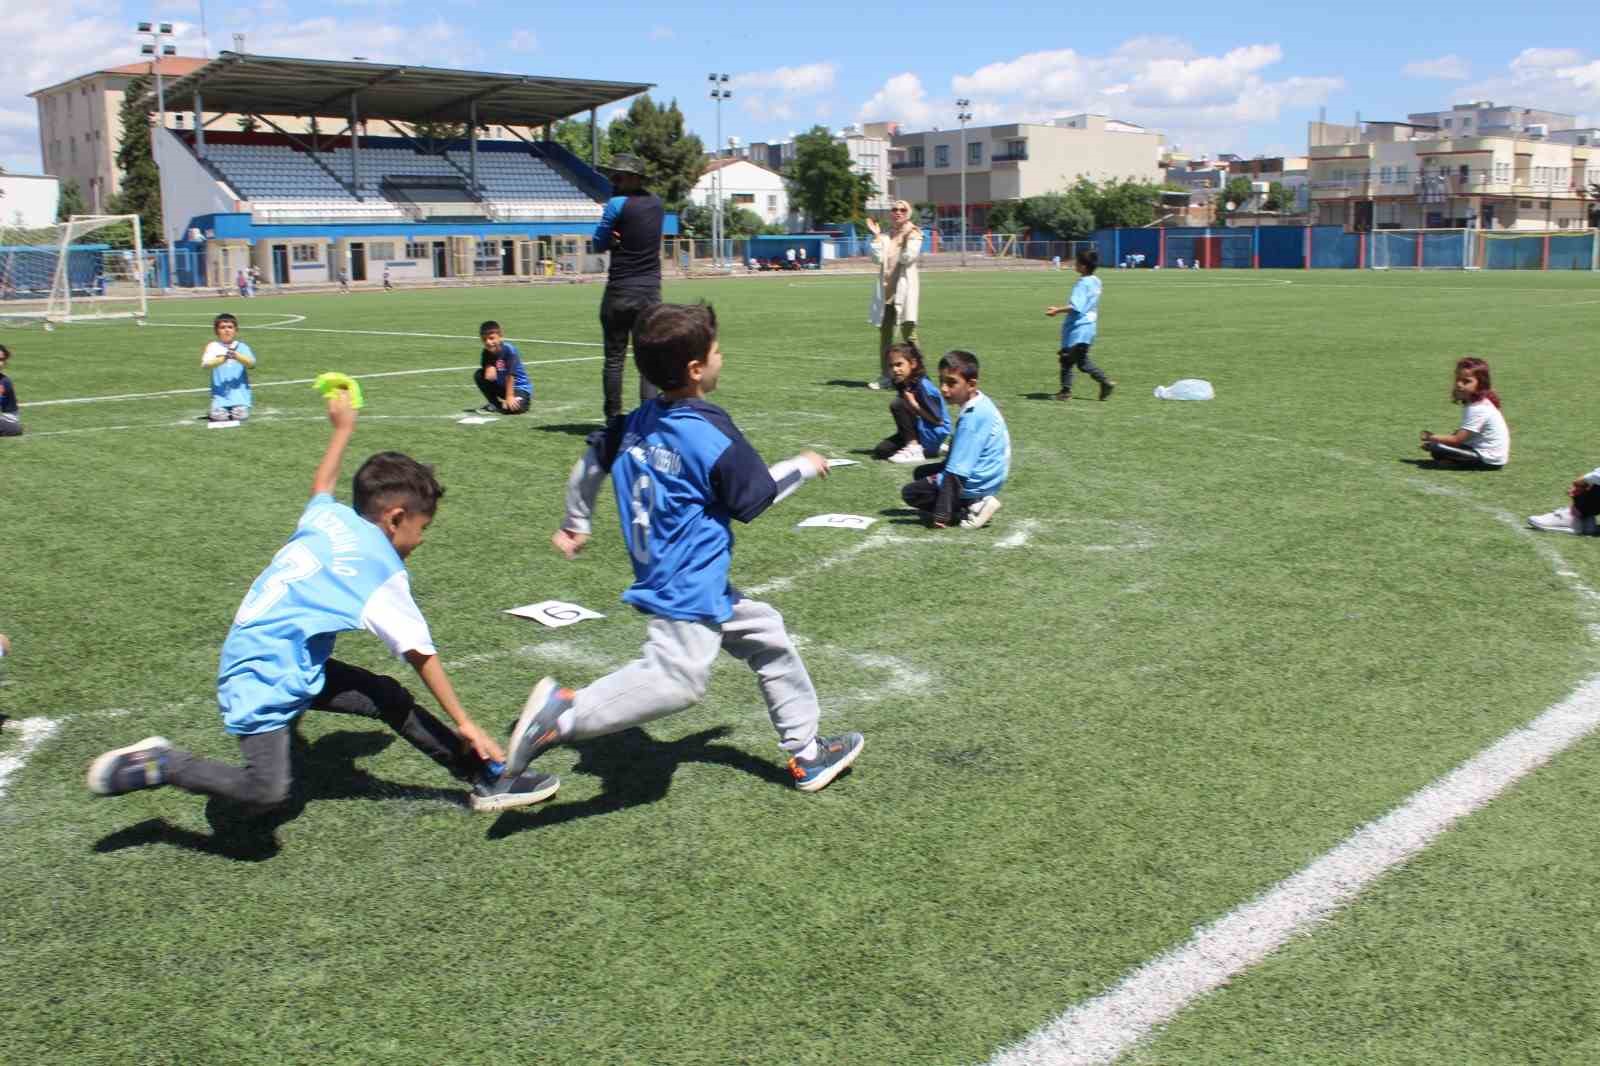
(1492, 167)
(744, 184)
(1017, 160)
(869, 147)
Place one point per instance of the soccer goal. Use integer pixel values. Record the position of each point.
(88, 269)
(1423, 249)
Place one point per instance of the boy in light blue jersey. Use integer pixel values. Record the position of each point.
(343, 569)
(229, 359)
(682, 472)
(1078, 331)
(966, 486)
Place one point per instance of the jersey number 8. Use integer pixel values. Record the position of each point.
(642, 503)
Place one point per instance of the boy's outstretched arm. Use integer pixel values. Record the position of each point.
(343, 417)
(790, 474)
(583, 485)
(431, 671)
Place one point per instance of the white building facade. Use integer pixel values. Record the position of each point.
(743, 184)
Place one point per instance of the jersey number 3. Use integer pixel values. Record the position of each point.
(294, 562)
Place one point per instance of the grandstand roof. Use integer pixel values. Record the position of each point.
(274, 85)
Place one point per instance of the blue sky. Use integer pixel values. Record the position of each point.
(1211, 82)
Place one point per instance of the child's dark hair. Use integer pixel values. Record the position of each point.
(913, 355)
(668, 337)
(962, 362)
(1479, 369)
(1089, 259)
(224, 317)
(489, 327)
(5, 353)
(393, 479)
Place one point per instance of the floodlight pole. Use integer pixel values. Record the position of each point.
(719, 93)
(963, 115)
(159, 32)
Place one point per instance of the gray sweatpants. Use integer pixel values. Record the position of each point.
(672, 671)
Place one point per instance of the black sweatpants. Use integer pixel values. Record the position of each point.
(495, 393)
(1077, 357)
(942, 500)
(619, 311)
(263, 780)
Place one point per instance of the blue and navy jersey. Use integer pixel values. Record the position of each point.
(682, 472)
(931, 434)
(508, 361)
(338, 572)
(636, 250)
(1083, 312)
(980, 451)
(230, 381)
(8, 396)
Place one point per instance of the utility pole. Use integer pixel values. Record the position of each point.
(964, 116)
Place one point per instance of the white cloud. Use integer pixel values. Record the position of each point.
(1554, 79)
(772, 95)
(661, 33)
(1163, 83)
(1448, 68)
(523, 41)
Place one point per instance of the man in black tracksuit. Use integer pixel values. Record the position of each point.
(630, 230)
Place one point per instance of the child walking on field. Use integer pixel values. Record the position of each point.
(229, 359)
(922, 424)
(1078, 331)
(682, 473)
(1484, 439)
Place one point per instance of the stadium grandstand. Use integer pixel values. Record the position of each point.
(432, 198)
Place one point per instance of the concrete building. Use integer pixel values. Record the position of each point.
(1504, 175)
(80, 126)
(1017, 160)
(869, 145)
(1481, 118)
(744, 184)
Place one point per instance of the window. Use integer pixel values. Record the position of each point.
(1016, 149)
(941, 155)
(975, 152)
(1387, 175)
(917, 158)
(305, 253)
(743, 198)
(1466, 123)
(377, 250)
(1402, 175)
(1447, 123)
(416, 250)
(772, 202)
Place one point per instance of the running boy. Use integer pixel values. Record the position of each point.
(682, 472)
(965, 486)
(501, 377)
(10, 420)
(1077, 332)
(343, 569)
(229, 359)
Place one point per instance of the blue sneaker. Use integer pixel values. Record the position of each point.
(536, 728)
(141, 765)
(835, 756)
(496, 790)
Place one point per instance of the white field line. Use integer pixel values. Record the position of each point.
(301, 381)
(871, 541)
(292, 322)
(1102, 1029)
(1024, 533)
(195, 423)
(35, 731)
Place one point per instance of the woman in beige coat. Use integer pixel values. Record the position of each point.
(894, 300)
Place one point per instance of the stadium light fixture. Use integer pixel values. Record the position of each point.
(158, 47)
(963, 116)
(719, 93)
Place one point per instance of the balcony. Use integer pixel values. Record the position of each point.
(1009, 157)
(908, 165)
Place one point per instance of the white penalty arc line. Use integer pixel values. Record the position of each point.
(301, 381)
(35, 731)
(1104, 1028)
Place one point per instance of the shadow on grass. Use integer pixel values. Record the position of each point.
(905, 516)
(846, 383)
(572, 429)
(1039, 396)
(1454, 468)
(324, 770)
(635, 769)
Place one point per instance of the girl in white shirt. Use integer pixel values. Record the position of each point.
(1484, 439)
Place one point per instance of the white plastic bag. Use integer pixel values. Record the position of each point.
(1186, 389)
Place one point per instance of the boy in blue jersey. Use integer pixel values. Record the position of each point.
(500, 376)
(682, 472)
(10, 420)
(966, 485)
(229, 359)
(1077, 332)
(343, 569)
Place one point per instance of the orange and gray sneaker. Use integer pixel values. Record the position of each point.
(834, 756)
(536, 728)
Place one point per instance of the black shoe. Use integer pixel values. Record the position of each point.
(1105, 389)
(141, 765)
(505, 791)
(886, 447)
(1064, 394)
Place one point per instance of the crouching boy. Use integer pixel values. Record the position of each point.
(966, 486)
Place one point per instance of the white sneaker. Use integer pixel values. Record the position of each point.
(881, 383)
(911, 453)
(1562, 520)
(979, 513)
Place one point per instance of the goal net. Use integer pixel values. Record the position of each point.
(90, 268)
(1423, 249)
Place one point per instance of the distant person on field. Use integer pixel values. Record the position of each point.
(896, 295)
(244, 284)
(1078, 331)
(922, 424)
(630, 229)
(254, 280)
(343, 569)
(230, 360)
(1578, 517)
(683, 473)
(388, 285)
(344, 280)
(965, 487)
(1484, 439)
(500, 376)
(10, 419)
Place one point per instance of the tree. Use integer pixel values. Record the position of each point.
(1067, 216)
(141, 183)
(71, 202)
(573, 135)
(1003, 218)
(1121, 203)
(673, 159)
(739, 221)
(1280, 198)
(822, 183)
(1238, 192)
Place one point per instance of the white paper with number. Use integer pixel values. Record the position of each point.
(223, 425)
(554, 613)
(843, 462)
(475, 420)
(838, 521)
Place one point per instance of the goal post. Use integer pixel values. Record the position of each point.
(1423, 249)
(89, 268)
